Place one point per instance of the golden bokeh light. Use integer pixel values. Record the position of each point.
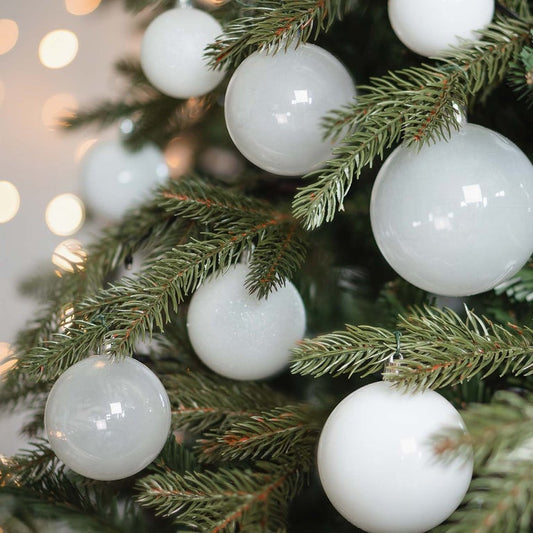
(69, 256)
(83, 148)
(65, 214)
(9, 34)
(9, 201)
(179, 155)
(7, 360)
(57, 108)
(81, 7)
(58, 48)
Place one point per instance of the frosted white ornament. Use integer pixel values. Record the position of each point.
(240, 336)
(456, 217)
(114, 178)
(172, 52)
(431, 27)
(377, 465)
(275, 103)
(107, 419)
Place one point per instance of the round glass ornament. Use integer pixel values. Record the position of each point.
(377, 465)
(114, 178)
(172, 52)
(107, 419)
(431, 27)
(240, 336)
(275, 103)
(455, 218)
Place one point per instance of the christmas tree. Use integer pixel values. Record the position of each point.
(329, 332)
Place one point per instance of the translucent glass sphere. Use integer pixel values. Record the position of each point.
(431, 27)
(114, 179)
(239, 336)
(275, 103)
(172, 52)
(107, 419)
(456, 217)
(377, 465)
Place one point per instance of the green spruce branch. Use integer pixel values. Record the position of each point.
(274, 24)
(500, 500)
(497, 431)
(438, 348)
(274, 434)
(226, 500)
(40, 483)
(417, 105)
(202, 400)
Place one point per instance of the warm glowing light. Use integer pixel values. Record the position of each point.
(67, 317)
(9, 201)
(82, 149)
(69, 256)
(65, 214)
(57, 108)
(7, 360)
(9, 33)
(58, 48)
(179, 154)
(81, 7)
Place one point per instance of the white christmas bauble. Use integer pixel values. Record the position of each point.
(377, 464)
(431, 27)
(240, 336)
(114, 178)
(172, 52)
(455, 218)
(275, 103)
(107, 419)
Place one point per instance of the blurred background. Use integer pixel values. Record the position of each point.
(55, 57)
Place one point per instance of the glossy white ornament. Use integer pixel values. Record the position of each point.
(107, 419)
(275, 103)
(377, 465)
(240, 336)
(114, 178)
(172, 52)
(431, 27)
(456, 217)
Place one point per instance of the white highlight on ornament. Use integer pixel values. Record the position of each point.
(9, 34)
(240, 336)
(9, 201)
(58, 48)
(107, 419)
(455, 218)
(431, 27)
(275, 104)
(65, 214)
(114, 178)
(172, 52)
(377, 465)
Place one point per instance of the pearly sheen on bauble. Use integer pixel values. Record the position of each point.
(275, 103)
(173, 52)
(240, 336)
(455, 218)
(107, 419)
(115, 179)
(432, 27)
(377, 464)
